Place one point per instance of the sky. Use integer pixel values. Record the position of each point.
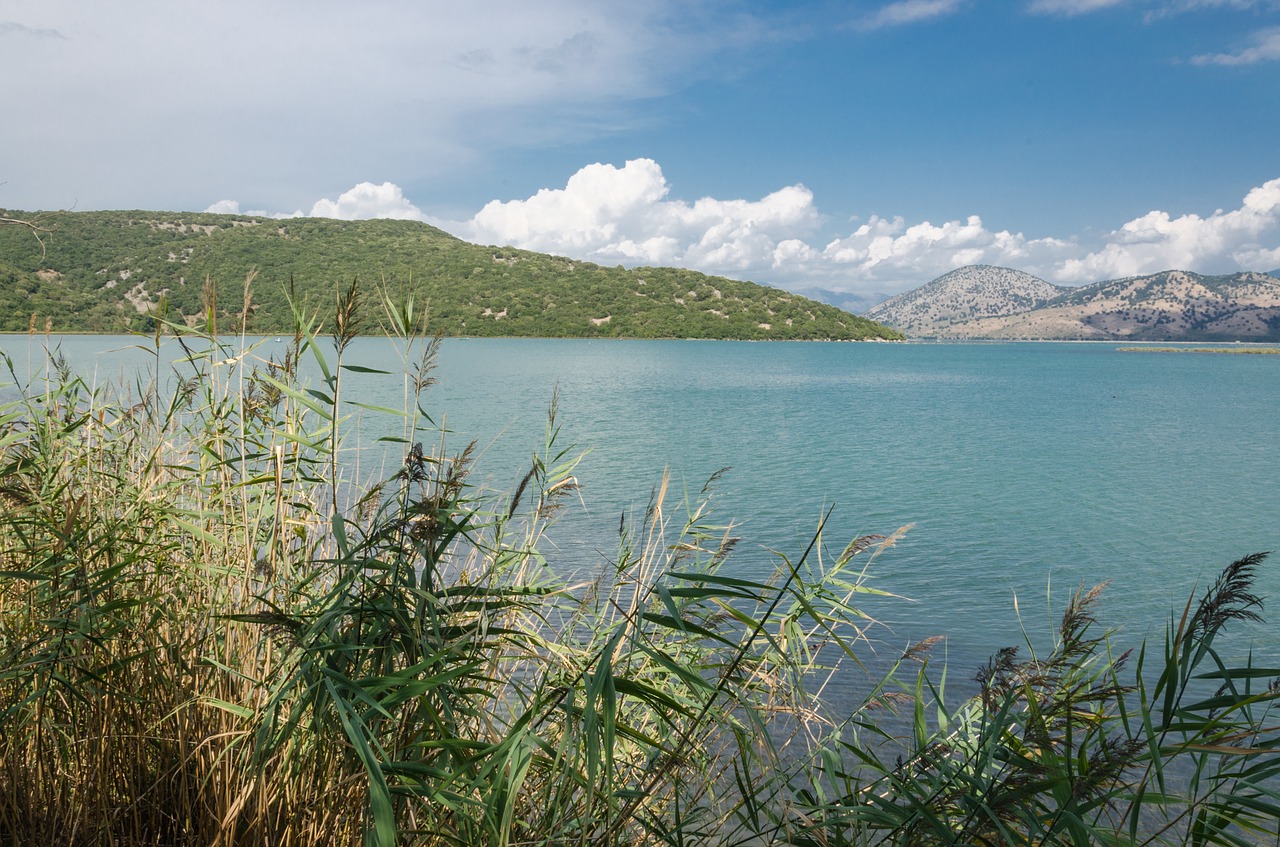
(863, 147)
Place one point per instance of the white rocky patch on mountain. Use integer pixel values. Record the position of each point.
(998, 303)
(965, 294)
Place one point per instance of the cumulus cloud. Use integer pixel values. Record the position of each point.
(361, 202)
(609, 214)
(1265, 48)
(1240, 239)
(886, 249)
(366, 201)
(910, 11)
(224, 207)
(627, 215)
(624, 215)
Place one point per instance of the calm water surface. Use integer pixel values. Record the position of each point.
(1026, 470)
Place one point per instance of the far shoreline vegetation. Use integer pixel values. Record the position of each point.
(1245, 351)
(211, 635)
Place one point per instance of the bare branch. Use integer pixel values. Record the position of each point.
(36, 230)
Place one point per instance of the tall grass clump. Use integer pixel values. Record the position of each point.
(212, 632)
(1070, 748)
(215, 630)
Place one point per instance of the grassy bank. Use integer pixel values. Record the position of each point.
(211, 634)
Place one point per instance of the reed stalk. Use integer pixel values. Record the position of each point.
(212, 633)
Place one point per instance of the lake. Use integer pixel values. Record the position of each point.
(1026, 470)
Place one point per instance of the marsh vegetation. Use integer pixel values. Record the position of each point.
(213, 633)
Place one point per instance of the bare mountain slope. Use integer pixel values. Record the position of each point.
(1168, 306)
(963, 295)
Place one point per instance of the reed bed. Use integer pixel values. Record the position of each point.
(211, 634)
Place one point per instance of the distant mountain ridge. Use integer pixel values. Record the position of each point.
(859, 304)
(965, 294)
(999, 303)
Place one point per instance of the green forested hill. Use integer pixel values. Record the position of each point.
(107, 272)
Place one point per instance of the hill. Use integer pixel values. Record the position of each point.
(965, 294)
(1167, 306)
(979, 302)
(108, 272)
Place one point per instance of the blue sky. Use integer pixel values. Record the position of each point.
(864, 147)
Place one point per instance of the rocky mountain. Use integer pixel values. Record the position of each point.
(966, 294)
(1167, 306)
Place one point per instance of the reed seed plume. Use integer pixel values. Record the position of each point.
(919, 651)
(214, 631)
(1231, 596)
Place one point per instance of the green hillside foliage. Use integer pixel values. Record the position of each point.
(115, 271)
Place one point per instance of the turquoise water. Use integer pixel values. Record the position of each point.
(1026, 470)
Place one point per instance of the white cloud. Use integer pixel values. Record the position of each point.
(910, 11)
(1266, 48)
(232, 207)
(1153, 9)
(366, 201)
(224, 207)
(1177, 6)
(887, 250)
(609, 214)
(1070, 7)
(361, 202)
(586, 215)
(626, 215)
(267, 99)
(1239, 239)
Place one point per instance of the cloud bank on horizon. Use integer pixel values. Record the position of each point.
(611, 215)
